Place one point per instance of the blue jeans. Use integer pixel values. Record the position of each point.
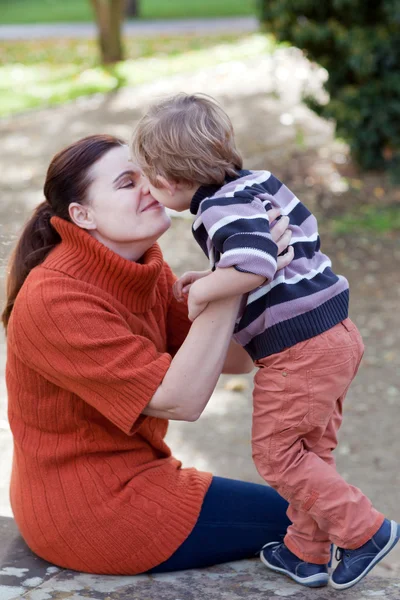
(237, 518)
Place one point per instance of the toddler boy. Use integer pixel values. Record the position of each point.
(294, 324)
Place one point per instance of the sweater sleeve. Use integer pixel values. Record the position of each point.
(178, 323)
(80, 343)
(238, 227)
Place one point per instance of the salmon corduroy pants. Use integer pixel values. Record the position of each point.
(298, 403)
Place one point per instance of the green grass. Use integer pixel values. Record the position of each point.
(39, 74)
(372, 219)
(54, 11)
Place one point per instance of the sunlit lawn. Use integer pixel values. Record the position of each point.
(48, 11)
(372, 219)
(43, 73)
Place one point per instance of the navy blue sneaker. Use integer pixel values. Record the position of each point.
(355, 564)
(277, 556)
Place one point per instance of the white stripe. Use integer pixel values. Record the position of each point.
(197, 223)
(251, 252)
(304, 238)
(295, 279)
(262, 178)
(231, 218)
(288, 209)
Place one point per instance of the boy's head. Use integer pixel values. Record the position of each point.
(184, 142)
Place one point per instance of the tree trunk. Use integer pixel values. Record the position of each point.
(132, 8)
(109, 16)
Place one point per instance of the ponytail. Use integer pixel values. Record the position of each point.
(37, 240)
(67, 180)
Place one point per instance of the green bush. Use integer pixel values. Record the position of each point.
(358, 43)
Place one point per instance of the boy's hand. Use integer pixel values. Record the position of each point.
(182, 286)
(281, 235)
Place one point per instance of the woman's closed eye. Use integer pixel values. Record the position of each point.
(127, 184)
(125, 180)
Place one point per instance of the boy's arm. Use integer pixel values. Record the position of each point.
(223, 283)
(231, 282)
(239, 229)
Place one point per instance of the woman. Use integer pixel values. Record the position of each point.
(100, 355)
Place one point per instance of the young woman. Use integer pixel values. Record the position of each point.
(100, 356)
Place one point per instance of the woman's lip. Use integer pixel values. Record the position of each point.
(152, 205)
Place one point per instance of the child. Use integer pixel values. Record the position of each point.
(294, 324)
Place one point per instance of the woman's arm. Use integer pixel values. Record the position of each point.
(195, 368)
(237, 361)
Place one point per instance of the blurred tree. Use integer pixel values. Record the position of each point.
(358, 42)
(109, 17)
(132, 8)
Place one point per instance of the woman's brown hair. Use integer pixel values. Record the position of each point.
(67, 181)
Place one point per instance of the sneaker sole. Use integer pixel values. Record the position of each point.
(394, 538)
(312, 581)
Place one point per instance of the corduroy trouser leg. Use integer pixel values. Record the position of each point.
(298, 401)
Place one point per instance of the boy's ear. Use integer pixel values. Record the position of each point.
(169, 186)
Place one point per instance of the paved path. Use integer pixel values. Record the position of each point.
(131, 28)
(24, 576)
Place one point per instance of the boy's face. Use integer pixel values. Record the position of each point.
(172, 195)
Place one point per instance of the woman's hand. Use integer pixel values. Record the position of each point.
(281, 235)
(182, 286)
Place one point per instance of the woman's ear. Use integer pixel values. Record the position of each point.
(81, 216)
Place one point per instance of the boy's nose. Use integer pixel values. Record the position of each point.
(144, 184)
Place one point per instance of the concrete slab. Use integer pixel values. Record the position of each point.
(25, 576)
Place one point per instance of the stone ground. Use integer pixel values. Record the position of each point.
(275, 131)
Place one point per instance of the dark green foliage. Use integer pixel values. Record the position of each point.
(358, 42)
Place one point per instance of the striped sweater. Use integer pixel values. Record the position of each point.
(296, 303)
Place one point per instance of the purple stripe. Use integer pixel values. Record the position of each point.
(308, 227)
(231, 186)
(216, 212)
(248, 263)
(283, 196)
(289, 310)
(304, 265)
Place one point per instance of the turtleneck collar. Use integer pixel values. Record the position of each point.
(81, 256)
(207, 191)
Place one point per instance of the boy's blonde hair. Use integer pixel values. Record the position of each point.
(186, 138)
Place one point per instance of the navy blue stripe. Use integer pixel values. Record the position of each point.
(239, 226)
(285, 292)
(305, 249)
(299, 214)
(251, 240)
(272, 185)
(252, 312)
(303, 327)
(201, 238)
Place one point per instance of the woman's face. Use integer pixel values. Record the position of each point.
(123, 214)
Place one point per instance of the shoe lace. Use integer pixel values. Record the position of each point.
(275, 550)
(341, 553)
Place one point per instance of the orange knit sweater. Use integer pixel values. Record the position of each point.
(94, 486)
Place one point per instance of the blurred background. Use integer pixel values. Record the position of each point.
(313, 90)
